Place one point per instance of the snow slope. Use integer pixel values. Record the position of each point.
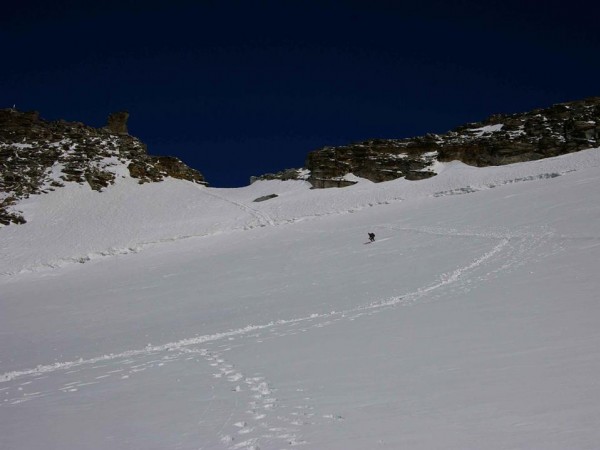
(202, 320)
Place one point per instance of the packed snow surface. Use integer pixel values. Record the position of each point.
(175, 316)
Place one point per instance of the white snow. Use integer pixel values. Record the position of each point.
(202, 320)
(395, 156)
(303, 174)
(354, 178)
(486, 129)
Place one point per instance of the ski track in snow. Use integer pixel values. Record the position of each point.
(258, 417)
(472, 189)
(262, 219)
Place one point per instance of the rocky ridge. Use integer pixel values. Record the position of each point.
(38, 156)
(500, 139)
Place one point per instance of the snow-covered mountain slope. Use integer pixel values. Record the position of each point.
(37, 157)
(76, 224)
(202, 319)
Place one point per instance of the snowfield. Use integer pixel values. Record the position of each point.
(175, 316)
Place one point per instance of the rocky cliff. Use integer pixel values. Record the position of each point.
(38, 156)
(500, 139)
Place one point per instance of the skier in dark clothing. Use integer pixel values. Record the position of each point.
(372, 237)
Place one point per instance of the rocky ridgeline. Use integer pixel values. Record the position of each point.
(37, 156)
(500, 139)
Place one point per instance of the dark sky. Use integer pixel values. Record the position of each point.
(243, 88)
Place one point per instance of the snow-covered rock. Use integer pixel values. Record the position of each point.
(40, 156)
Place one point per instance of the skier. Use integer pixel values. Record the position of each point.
(372, 237)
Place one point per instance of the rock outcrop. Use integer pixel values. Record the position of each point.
(376, 160)
(117, 123)
(541, 133)
(500, 139)
(287, 174)
(38, 156)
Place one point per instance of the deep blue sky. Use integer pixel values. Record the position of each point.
(243, 88)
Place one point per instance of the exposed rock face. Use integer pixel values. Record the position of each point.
(500, 139)
(376, 160)
(117, 123)
(37, 156)
(542, 133)
(155, 168)
(287, 174)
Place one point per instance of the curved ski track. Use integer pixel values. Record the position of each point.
(259, 419)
